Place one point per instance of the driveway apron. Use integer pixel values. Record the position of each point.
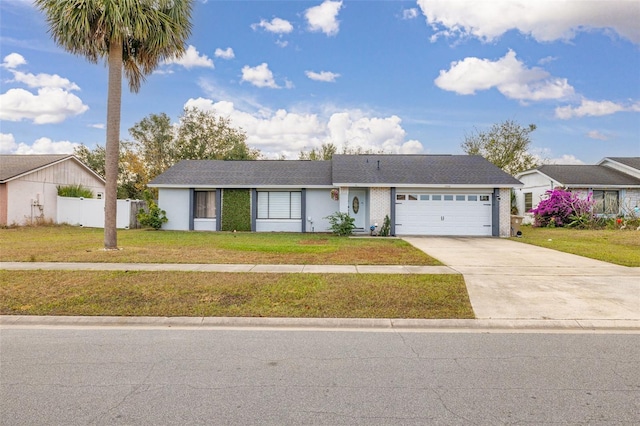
(511, 280)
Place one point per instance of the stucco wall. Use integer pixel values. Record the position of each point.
(319, 206)
(176, 203)
(33, 197)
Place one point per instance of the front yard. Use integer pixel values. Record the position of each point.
(221, 294)
(621, 247)
(74, 244)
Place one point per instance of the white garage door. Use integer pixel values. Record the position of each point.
(443, 214)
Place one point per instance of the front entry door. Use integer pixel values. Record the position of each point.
(358, 207)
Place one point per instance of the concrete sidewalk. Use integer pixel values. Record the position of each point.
(507, 279)
(277, 269)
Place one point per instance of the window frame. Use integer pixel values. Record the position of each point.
(528, 201)
(209, 197)
(293, 204)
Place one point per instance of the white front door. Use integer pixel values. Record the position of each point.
(358, 207)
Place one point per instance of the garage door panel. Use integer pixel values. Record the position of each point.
(444, 214)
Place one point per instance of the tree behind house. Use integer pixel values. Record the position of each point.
(505, 144)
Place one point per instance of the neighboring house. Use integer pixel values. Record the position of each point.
(28, 185)
(614, 184)
(421, 194)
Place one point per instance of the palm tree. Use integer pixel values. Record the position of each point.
(132, 36)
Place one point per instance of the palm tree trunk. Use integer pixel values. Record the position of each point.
(112, 149)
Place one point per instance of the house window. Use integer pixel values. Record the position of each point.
(528, 201)
(436, 197)
(424, 197)
(412, 197)
(606, 202)
(484, 198)
(448, 197)
(400, 197)
(279, 205)
(205, 204)
(473, 198)
(460, 197)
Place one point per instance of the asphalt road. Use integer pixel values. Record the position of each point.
(161, 376)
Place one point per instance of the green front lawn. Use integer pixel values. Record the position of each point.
(230, 294)
(74, 244)
(621, 247)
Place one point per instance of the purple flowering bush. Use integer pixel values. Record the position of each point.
(563, 208)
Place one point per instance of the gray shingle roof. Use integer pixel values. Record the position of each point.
(255, 173)
(627, 161)
(343, 169)
(588, 176)
(419, 170)
(16, 165)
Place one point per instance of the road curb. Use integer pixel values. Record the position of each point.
(504, 325)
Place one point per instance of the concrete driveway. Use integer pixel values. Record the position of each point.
(512, 280)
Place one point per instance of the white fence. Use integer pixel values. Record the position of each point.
(89, 212)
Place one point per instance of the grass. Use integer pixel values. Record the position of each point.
(236, 295)
(621, 247)
(75, 244)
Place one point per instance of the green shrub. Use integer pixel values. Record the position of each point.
(154, 217)
(341, 223)
(75, 191)
(386, 227)
(236, 210)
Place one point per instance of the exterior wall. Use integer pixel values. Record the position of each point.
(278, 225)
(319, 206)
(89, 212)
(630, 202)
(344, 199)
(538, 185)
(379, 205)
(176, 203)
(505, 212)
(33, 197)
(204, 224)
(3, 204)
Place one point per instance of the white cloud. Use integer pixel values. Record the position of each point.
(594, 109)
(259, 76)
(324, 17)
(410, 13)
(191, 58)
(282, 43)
(50, 105)
(544, 20)
(44, 80)
(287, 133)
(225, 54)
(510, 76)
(595, 134)
(8, 145)
(13, 60)
(97, 126)
(326, 76)
(276, 25)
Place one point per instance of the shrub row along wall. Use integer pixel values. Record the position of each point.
(236, 210)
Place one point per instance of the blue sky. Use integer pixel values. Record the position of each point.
(398, 76)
